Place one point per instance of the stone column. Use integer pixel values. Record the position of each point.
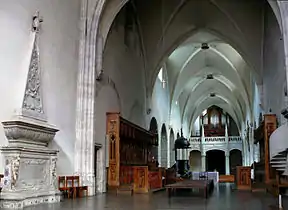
(226, 134)
(85, 106)
(227, 163)
(203, 161)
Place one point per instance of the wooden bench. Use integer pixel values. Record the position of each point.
(70, 186)
(206, 185)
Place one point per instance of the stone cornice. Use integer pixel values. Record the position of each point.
(19, 149)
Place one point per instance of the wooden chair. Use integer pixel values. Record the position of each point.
(79, 188)
(62, 185)
(71, 189)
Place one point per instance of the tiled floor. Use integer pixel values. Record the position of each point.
(223, 198)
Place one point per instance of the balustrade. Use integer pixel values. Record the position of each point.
(216, 139)
(235, 138)
(195, 139)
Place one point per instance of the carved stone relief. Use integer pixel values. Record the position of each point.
(53, 179)
(15, 164)
(32, 98)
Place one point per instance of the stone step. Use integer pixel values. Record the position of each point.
(279, 163)
(278, 159)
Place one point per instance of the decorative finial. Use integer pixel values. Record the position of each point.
(36, 22)
(181, 132)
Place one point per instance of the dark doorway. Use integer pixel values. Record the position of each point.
(164, 152)
(215, 160)
(172, 151)
(154, 129)
(97, 147)
(235, 160)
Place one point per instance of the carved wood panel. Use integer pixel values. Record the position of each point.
(243, 178)
(141, 183)
(113, 142)
(155, 179)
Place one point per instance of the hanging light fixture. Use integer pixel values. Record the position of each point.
(204, 46)
(209, 76)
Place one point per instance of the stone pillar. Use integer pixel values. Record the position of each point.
(30, 166)
(226, 134)
(90, 66)
(251, 140)
(203, 162)
(227, 163)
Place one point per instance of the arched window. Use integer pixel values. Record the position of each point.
(162, 77)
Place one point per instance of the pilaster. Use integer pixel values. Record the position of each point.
(86, 91)
(203, 161)
(227, 163)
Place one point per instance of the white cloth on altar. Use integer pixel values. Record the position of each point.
(211, 175)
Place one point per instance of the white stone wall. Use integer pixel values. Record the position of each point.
(59, 65)
(274, 74)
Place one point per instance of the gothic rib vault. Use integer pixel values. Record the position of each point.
(187, 70)
(237, 60)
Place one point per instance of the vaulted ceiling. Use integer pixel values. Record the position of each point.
(171, 34)
(230, 78)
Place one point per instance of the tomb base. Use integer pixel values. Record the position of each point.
(30, 166)
(18, 201)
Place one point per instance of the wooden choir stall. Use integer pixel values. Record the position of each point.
(131, 167)
(264, 175)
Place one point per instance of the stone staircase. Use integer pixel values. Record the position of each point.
(278, 145)
(279, 162)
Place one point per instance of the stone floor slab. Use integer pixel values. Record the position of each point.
(223, 198)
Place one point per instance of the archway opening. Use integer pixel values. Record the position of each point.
(215, 160)
(195, 160)
(164, 145)
(153, 128)
(204, 67)
(235, 160)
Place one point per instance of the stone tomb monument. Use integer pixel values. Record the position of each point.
(30, 166)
